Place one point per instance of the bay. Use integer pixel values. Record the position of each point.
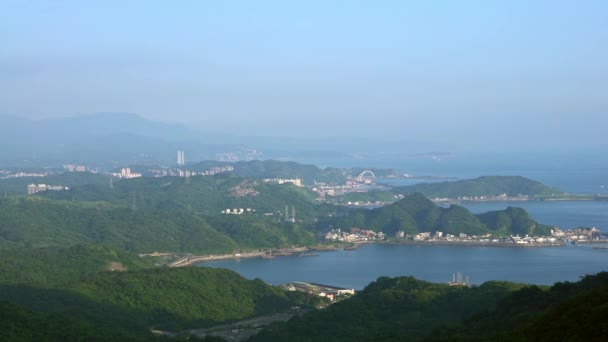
(357, 268)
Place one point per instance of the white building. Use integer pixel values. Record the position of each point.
(180, 158)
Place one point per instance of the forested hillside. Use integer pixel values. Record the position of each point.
(482, 186)
(207, 195)
(164, 298)
(395, 309)
(416, 213)
(36, 222)
(56, 266)
(19, 185)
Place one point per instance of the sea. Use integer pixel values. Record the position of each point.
(542, 265)
(357, 268)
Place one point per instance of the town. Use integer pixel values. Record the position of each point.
(558, 237)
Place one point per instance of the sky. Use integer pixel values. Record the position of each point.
(469, 73)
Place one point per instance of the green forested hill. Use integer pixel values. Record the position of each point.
(369, 196)
(408, 309)
(54, 266)
(207, 195)
(278, 169)
(513, 221)
(18, 323)
(165, 298)
(563, 312)
(96, 288)
(482, 186)
(391, 309)
(176, 298)
(69, 179)
(416, 213)
(36, 222)
(287, 169)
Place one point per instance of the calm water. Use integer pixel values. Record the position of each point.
(580, 172)
(563, 214)
(357, 268)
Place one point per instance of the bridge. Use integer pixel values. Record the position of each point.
(365, 174)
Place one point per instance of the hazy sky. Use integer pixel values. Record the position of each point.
(525, 71)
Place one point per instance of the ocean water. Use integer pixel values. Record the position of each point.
(574, 172)
(570, 172)
(357, 268)
(563, 214)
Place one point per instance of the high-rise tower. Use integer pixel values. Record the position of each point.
(180, 158)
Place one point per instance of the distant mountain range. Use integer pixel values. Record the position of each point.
(101, 138)
(126, 138)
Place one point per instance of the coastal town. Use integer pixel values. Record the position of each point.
(558, 237)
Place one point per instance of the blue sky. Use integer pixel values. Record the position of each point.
(450, 71)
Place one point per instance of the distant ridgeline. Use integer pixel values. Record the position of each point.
(416, 213)
(287, 169)
(406, 309)
(482, 186)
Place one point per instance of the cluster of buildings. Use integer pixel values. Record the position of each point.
(238, 211)
(24, 174)
(245, 188)
(35, 188)
(354, 235)
(125, 173)
(501, 197)
(361, 183)
(484, 239)
(330, 292)
(459, 280)
(75, 168)
(294, 181)
(578, 234)
(372, 204)
(331, 190)
(557, 237)
(176, 172)
(216, 170)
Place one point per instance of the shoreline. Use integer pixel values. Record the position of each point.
(517, 199)
(475, 244)
(358, 244)
(199, 259)
(491, 200)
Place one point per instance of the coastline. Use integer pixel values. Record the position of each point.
(191, 260)
(474, 244)
(197, 259)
